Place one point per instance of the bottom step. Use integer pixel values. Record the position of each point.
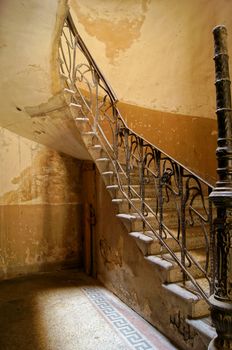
(204, 328)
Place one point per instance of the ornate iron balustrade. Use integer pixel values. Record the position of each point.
(179, 212)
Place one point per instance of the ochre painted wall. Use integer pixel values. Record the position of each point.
(40, 207)
(158, 57)
(156, 53)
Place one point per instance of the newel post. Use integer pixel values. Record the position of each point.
(221, 300)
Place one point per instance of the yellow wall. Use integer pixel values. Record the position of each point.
(156, 53)
(40, 207)
(158, 57)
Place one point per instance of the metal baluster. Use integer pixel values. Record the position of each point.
(96, 115)
(141, 174)
(116, 136)
(160, 193)
(212, 256)
(128, 155)
(182, 221)
(221, 300)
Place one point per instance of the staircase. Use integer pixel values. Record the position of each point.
(162, 204)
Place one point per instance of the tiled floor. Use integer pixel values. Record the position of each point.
(67, 310)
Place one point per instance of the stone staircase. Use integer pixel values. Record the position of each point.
(184, 297)
(174, 245)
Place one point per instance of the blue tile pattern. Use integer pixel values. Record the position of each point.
(122, 325)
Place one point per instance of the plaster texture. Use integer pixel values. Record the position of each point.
(30, 88)
(156, 54)
(40, 207)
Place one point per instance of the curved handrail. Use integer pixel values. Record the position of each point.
(114, 97)
(176, 188)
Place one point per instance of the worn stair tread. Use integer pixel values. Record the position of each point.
(106, 173)
(141, 236)
(112, 187)
(76, 105)
(203, 283)
(194, 305)
(167, 261)
(156, 260)
(180, 292)
(96, 147)
(198, 254)
(204, 327)
(79, 119)
(69, 91)
(103, 159)
(136, 200)
(127, 216)
(89, 133)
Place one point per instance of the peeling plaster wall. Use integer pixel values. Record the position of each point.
(156, 53)
(158, 56)
(40, 207)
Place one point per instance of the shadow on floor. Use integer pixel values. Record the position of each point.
(26, 304)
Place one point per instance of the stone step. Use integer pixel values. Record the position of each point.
(123, 203)
(173, 271)
(169, 203)
(203, 326)
(108, 177)
(134, 179)
(82, 123)
(90, 138)
(150, 245)
(184, 303)
(133, 221)
(104, 164)
(97, 151)
(134, 191)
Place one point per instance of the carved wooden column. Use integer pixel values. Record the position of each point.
(221, 300)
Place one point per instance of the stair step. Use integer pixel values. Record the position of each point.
(97, 151)
(108, 177)
(123, 203)
(194, 239)
(82, 119)
(134, 222)
(203, 283)
(134, 179)
(104, 164)
(89, 138)
(204, 328)
(82, 123)
(135, 190)
(75, 106)
(174, 273)
(190, 304)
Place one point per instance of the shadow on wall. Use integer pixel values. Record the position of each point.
(41, 221)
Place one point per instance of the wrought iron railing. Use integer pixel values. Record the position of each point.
(171, 200)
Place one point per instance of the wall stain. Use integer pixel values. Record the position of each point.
(111, 257)
(118, 35)
(52, 178)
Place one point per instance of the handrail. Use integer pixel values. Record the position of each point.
(175, 188)
(114, 97)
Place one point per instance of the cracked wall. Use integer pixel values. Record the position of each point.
(40, 207)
